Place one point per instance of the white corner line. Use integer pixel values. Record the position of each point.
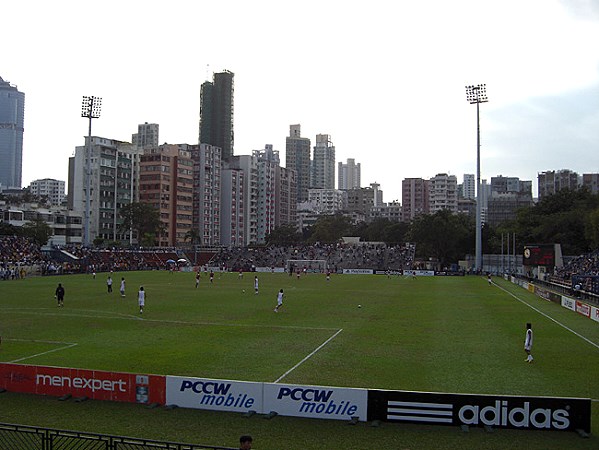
(309, 356)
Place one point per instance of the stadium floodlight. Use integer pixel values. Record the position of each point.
(478, 94)
(90, 109)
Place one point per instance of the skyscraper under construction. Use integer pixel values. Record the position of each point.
(216, 112)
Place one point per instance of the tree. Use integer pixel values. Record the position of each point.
(330, 229)
(142, 218)
(38, 230)
(284, 235)
(193, 236)
(382, 230)
(561, 218)
(443, 235)
(592, 228)
(6, 229)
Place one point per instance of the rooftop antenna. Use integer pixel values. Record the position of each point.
(207, 71)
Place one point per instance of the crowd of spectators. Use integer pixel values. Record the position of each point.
(337, 256)
(17, 255)
(580, 273)
(105, 260)
(18, 252)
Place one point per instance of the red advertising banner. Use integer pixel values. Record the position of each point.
(583, 308)
(94, 384)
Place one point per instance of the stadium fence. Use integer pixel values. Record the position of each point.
(37, 438)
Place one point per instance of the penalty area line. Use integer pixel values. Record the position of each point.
(309, 356)
(548, 317)
(64, 347)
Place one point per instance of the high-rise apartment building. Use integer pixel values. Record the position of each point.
(166, 182)
(443, 193)
(348, 175)
(206, 192)
(286, 205)
(327, 201)
(508, 194)
(297, 157)
(414, 198)
(147, 136)
(361, 200)
(52, 190)
(12, 117)
(249, 165)
(268, 164)
(112, 185)
(469, 186)
(503, 184)
(216, 113)
(232, 220)
(551, 181)
(323, 163)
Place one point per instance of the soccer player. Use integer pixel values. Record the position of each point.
(109, 284)
(197, 279)
(141, 299)
(279, 300)
(240, 274)
(528, 343)
(328, 275)
(211, 276)
(122, 289)
(59, 295)
(489, 279)
(256, 284)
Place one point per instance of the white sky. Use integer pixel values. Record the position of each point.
(384, 78)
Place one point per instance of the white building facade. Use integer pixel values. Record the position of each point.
(53, 190)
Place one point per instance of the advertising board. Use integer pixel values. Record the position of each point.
(358, 271)
(534, 413)
(216, 395)
(568, 303)
(316, 402)
(94, 384)
(583, 309)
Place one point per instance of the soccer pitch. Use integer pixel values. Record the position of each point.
(434, 334)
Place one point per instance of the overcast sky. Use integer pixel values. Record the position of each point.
(385, 79)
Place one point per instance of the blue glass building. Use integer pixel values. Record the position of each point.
(12, 112)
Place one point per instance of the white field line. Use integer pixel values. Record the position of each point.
(549, 317)
(64, 347)
(309, 356)
(178, 322)
(99, 314)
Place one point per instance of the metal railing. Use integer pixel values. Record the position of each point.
(22, 437)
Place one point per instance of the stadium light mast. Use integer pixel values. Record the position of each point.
(478, 94)
(90, 109)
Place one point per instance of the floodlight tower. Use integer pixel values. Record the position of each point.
(90, 108)
(478, 94)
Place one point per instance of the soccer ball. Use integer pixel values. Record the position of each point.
(243, 291)
(359, 306)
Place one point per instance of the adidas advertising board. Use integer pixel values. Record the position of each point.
(318, 402)
(217, 395)
(534, 413)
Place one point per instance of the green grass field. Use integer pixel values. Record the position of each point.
(451, 334)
